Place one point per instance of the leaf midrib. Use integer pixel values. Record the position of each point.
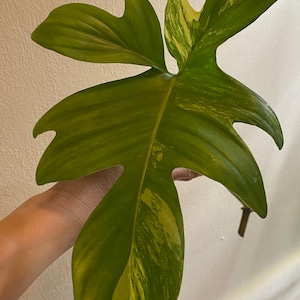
(148, 155)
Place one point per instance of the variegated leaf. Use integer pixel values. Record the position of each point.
(132, 246)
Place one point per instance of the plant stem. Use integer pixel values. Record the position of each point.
(244, 221)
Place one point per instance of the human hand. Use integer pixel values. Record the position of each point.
(183, 174)
(47, 224)
(82, 195)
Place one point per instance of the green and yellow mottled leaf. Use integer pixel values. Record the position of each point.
(181, 29)
(188, 31)
(132, 246)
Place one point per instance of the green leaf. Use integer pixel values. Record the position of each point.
(88, 33)
(132, 246)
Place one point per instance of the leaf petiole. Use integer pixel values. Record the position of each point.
(244, 221)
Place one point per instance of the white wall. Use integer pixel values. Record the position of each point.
(219, 264)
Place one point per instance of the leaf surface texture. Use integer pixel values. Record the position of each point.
(132, 246)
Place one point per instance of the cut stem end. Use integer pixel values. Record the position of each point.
(244, 221)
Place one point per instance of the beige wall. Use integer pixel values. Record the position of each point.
(219, 265)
